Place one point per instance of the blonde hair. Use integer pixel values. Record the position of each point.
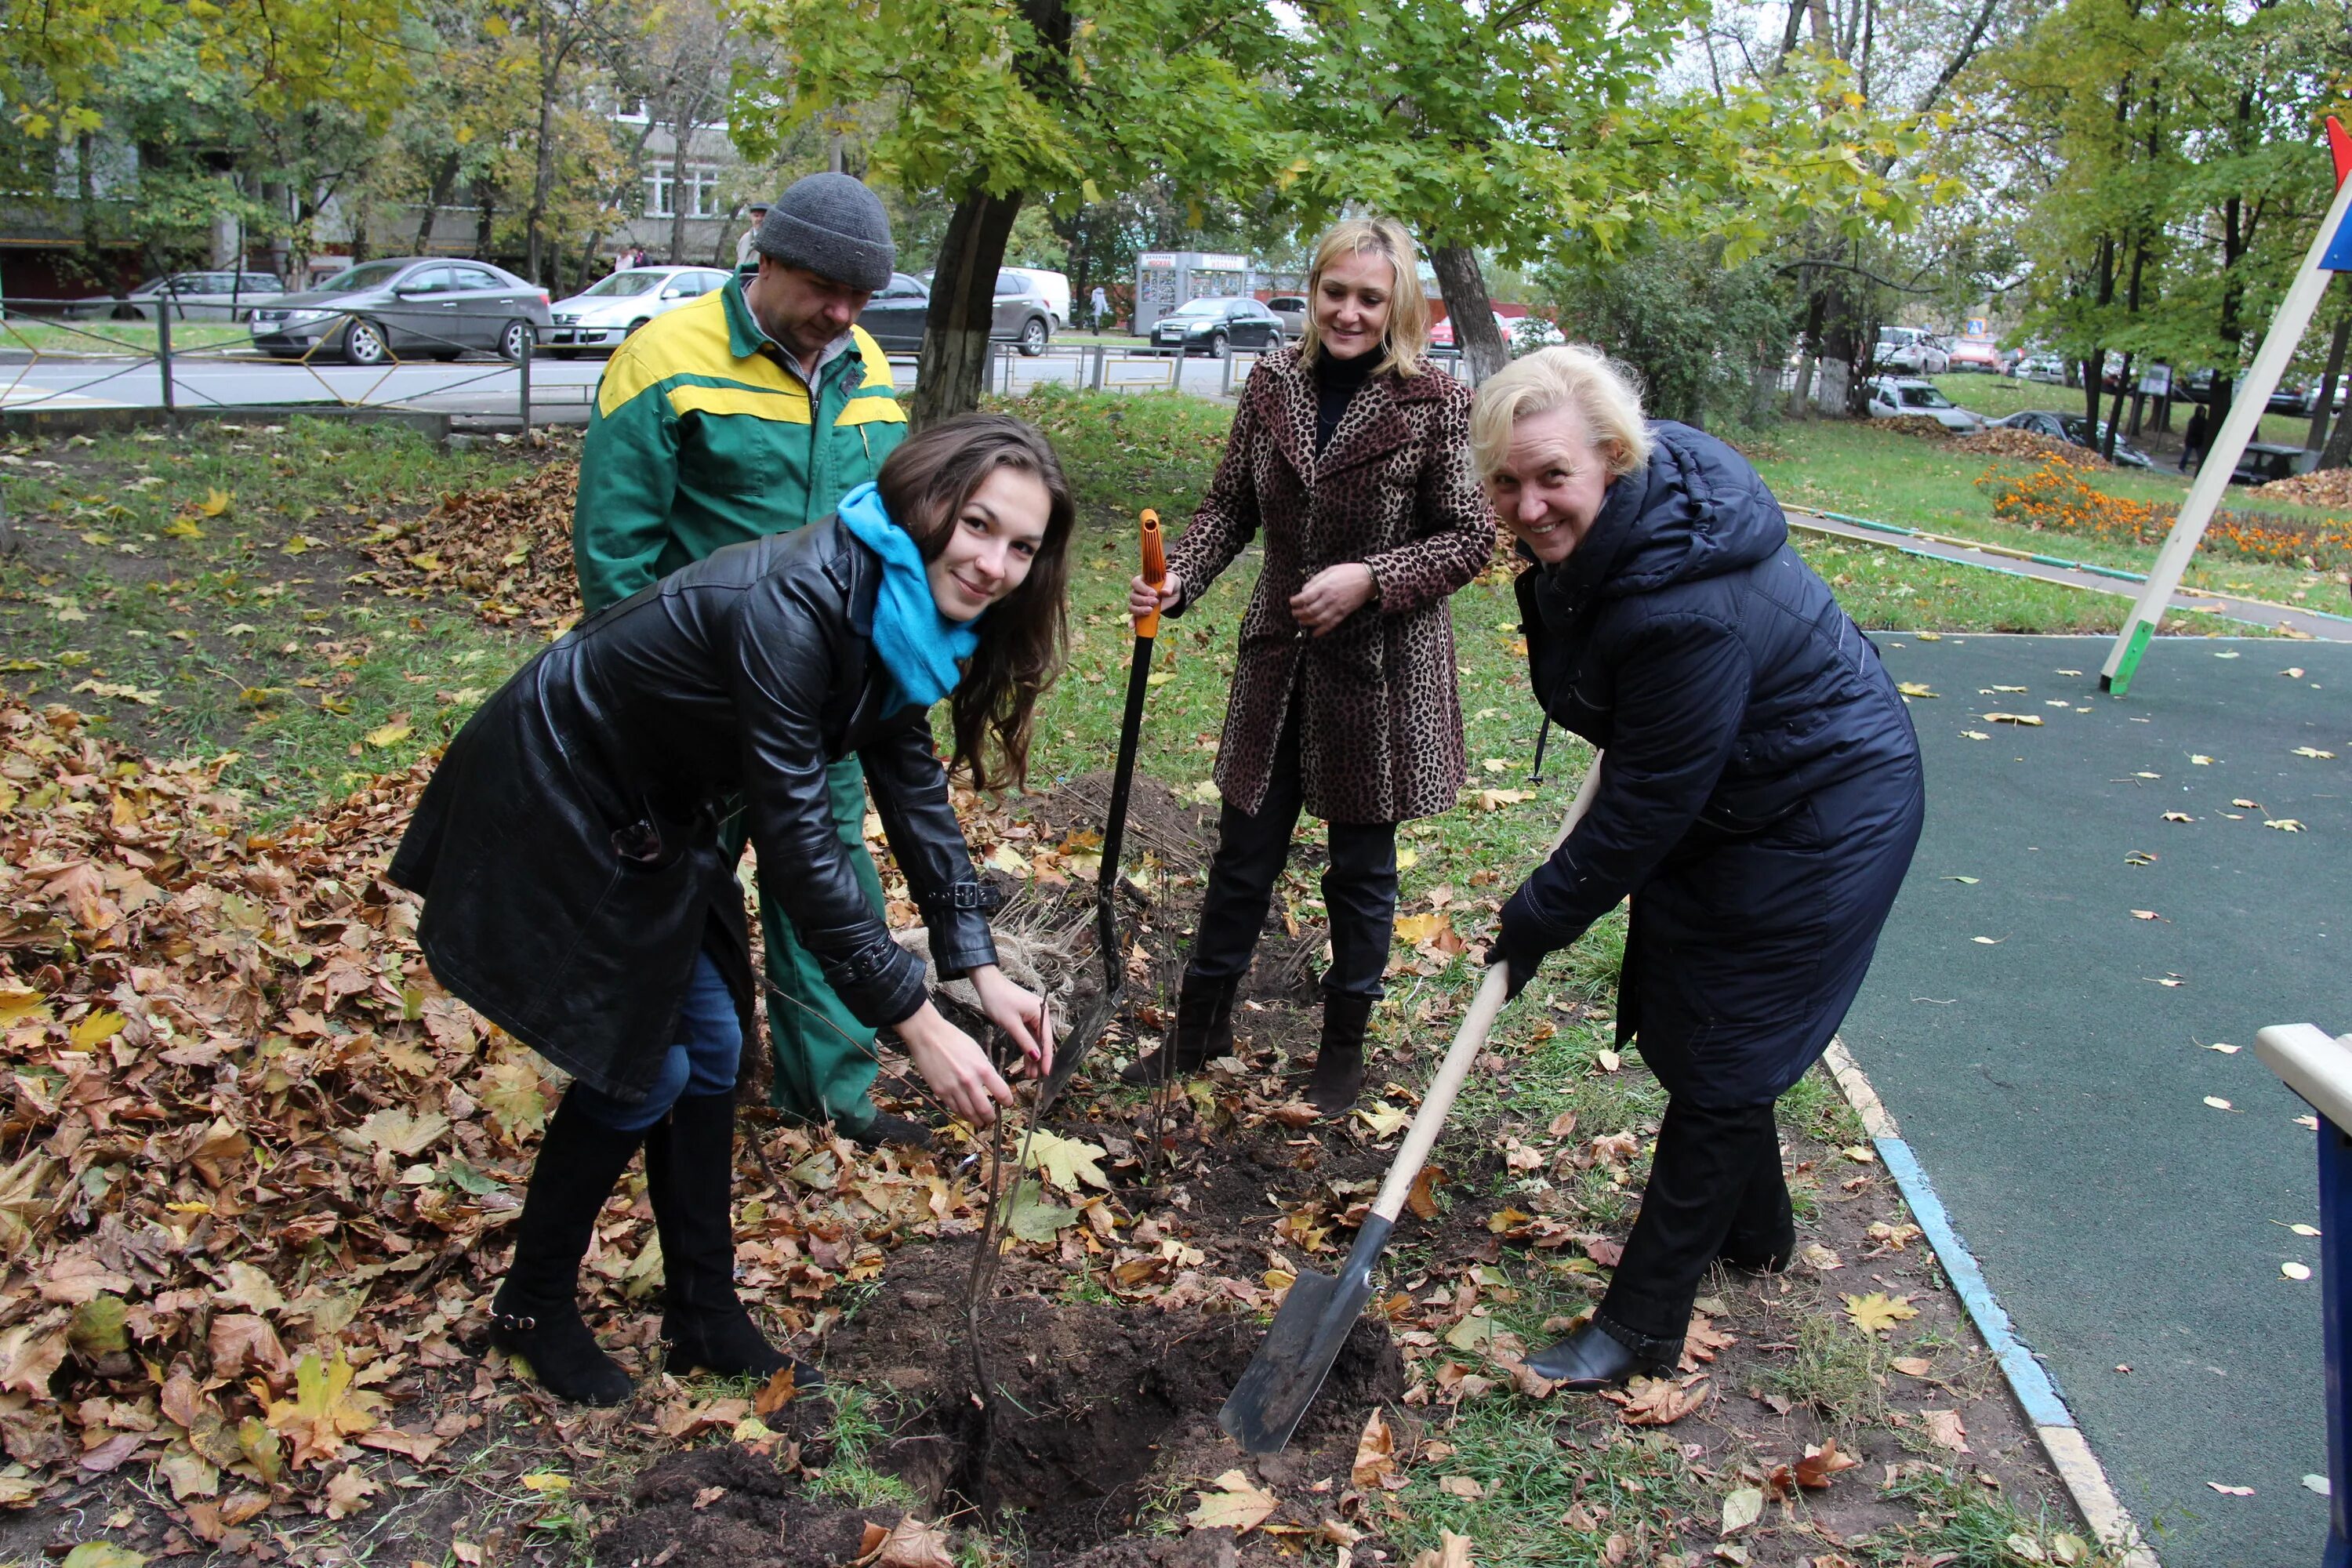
(1604, 393)
(1406, 338)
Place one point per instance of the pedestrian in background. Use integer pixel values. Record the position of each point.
(2193, 440)
(1759, 799)
(746, 244)
(1102, 308)
(1351, 455)
(747, 412)
(579, 890)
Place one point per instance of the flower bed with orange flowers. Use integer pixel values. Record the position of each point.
(2059, 497)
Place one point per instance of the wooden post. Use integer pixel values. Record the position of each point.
(2331, 250)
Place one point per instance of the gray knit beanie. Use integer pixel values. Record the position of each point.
(834, 226)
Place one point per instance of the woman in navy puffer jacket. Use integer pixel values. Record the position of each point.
(1759, 799)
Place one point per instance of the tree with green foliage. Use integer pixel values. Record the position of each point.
(995, 106)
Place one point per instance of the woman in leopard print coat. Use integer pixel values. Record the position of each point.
(1352, 457)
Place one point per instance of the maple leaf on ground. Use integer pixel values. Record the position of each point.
(1234, 1504)
(1422, 1197)
(1031, 1216)
(1657, 1401)
(1702, 1340)
(29, 1356)
(325, 1409)
(1375, 1464)
(1820, 1464)
(1944, 1430)
(1877, 1312)
(1453, 1552)
(910, 1543)
(1068, 1162)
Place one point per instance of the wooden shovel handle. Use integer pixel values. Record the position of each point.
(1437, 1101)
(1155, 570)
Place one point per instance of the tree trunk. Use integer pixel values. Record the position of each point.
(2107, 441)
(1475, 335)
(678, 196)
(2317, 440)
(2340, 446)
(963, 304)
(443, 179)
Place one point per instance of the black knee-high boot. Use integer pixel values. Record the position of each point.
(1204, 1032)
(1339, 1071)
(690, 1178)
(536, 1315)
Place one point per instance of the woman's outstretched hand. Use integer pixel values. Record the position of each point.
(1020, 1014)
(1331, 595)
(955, 1067)
(1144, 599)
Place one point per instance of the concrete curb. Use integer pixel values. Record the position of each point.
(2062, 1439)
(75, 420)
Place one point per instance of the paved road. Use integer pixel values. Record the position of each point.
(559, 387)
(2054, 1086)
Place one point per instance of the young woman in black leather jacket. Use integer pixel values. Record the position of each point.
(577, 894)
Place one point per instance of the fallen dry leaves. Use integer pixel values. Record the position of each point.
(263, 1164)
(1658, 1401)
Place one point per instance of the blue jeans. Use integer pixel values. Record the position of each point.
(703, 1061)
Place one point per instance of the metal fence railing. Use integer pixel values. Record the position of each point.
(59, 354)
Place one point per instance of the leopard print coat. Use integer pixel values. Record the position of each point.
(1381, 719)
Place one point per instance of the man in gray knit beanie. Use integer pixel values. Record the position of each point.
(825, 247)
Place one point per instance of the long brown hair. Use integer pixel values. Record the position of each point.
(925, 485)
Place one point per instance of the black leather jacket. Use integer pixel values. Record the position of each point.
(568, 847)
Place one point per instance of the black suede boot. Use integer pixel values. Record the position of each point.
(536, 1315)
(1339, 1071)
(690, 1178)
(1597, 1354)
(1204, 1032)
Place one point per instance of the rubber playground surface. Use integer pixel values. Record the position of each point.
(2041, 1021)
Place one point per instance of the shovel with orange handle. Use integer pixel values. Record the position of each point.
(1088, 1027)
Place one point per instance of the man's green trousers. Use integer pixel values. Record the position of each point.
(825, 1059)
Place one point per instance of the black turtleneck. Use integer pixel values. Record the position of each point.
(1337, 381)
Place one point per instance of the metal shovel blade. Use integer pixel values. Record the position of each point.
(1283, 1379)
(1079, 1034)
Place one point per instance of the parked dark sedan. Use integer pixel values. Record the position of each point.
(406, 308)
(896, 314)
(2075, 429)
(1217, 327)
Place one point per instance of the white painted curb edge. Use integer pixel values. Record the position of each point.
(2069, 1454)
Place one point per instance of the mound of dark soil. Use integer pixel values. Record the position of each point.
(1092, 1409)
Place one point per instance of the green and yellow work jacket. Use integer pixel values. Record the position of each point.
(702, 438)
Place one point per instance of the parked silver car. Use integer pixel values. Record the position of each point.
(406, 308)
(189, 296)
(599, 317)
(1902, 397)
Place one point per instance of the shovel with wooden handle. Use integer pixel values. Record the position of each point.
(1287, 1372)
(1088, 1027)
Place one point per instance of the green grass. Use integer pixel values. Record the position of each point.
(1865, 470)
(104, 337)
(232, 636)
(1998, 396)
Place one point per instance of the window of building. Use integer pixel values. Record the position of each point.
(700, 191)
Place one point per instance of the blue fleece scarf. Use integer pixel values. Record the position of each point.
(921, 648)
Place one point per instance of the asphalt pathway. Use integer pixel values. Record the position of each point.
(2049, 1051)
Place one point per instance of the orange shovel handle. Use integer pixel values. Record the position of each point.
(1155, 570)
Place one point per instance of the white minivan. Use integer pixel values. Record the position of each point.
(1056, 288)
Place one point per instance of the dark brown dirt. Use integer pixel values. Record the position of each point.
(729, 1505)
(1090, 1404)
